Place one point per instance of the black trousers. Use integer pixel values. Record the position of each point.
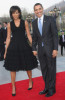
(48, 68)
(2, 50)
(63, 45)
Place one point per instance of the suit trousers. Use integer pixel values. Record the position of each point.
(48, 69)
(63, 45)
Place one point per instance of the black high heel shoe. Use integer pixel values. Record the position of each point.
(31, 87)
(14, 94)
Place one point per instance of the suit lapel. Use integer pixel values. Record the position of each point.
(64, 37)
(44, 25)
(43, 28)
(37, 27)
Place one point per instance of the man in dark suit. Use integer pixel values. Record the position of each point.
(62, 42)
(5, 30)
(46, 36)
(2, 45)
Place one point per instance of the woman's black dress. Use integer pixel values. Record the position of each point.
(19, 54)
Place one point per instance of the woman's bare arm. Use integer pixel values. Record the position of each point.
(8, 38)
(28, 32)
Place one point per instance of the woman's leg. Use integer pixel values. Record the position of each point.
(13, 77)
(30, 78)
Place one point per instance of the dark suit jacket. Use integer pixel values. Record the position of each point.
(61, 40)
(1, 36)
(49, 35)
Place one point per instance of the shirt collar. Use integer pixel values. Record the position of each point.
(5, 28)
(42, 17)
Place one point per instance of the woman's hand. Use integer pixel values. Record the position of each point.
(35, 53)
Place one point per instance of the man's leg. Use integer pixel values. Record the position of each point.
(44, 70)
(62, 50)
(51, 62)
(52, 73)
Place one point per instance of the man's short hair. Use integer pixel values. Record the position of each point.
(62, 31)
(38, 4)
(5, 22)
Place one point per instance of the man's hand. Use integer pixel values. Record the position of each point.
(35, 53)
(54, 53)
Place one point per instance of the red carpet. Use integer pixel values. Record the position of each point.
(23, 94)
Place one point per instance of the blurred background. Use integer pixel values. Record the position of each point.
(55, 8)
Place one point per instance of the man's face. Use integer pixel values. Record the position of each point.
(5, 25)
(38, 11)
(62, 33)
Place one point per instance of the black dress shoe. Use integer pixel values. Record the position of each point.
(50, 93)
(43, 92)
(31, 87)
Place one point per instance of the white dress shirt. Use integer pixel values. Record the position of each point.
(5, 28)
(63, 38)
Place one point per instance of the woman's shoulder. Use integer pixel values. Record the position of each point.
(26, 22)
(10, 24)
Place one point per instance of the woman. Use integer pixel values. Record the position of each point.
(18, 54)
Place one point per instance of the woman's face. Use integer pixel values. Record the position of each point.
(16, 15)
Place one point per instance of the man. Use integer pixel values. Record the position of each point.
(62, 42)
(2, 46)
(5, 30)
(46, 36)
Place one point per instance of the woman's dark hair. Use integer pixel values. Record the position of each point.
(13, 9)
(37, 5)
